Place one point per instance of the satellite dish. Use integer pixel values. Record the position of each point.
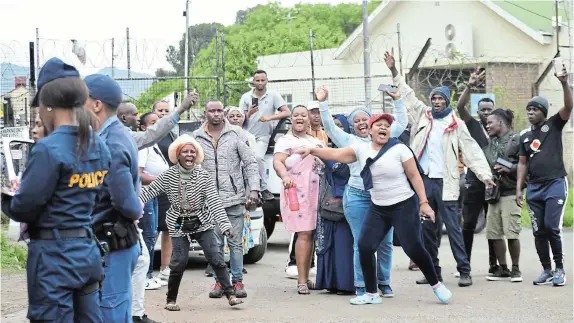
(449, 32)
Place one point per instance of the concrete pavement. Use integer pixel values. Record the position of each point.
(273, 298)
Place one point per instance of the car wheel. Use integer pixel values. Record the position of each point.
(270, 212)
(256, 253)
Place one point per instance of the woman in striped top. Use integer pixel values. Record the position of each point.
(195, 209)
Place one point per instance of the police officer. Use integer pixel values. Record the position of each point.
(118, 205)
(63, 176)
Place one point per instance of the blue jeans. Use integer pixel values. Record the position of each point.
(148, 223)
(447, 212)
(116, 301)
(356, 204)
(236, 215)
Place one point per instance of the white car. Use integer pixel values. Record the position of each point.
(254, 255)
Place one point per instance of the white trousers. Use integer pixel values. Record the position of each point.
(139, 277)
(261, 144)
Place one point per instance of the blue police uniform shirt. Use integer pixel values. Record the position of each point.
(58, 189)
(119, 194)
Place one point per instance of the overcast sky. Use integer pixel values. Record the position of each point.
(153, 26)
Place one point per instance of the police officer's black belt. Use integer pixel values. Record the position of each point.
(50, 234)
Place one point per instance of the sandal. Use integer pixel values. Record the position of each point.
(172, 306)
(234, 300)
(303, 289)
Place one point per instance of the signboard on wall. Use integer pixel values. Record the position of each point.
(475, 97)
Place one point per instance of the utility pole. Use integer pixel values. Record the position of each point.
(312, 64)
(186, 57)
(366, 54)
(113, 57)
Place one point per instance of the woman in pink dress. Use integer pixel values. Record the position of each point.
(304, 175)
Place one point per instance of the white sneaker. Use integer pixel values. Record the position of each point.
(292, 272)
(150, 284)
(160, 281)
(164, 274)
(313, 272)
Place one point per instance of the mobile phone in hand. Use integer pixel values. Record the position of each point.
(254, 101)
(387, 87)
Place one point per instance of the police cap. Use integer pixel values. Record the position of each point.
(105, 89)
(53, 69)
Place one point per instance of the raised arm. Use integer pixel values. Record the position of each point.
(566, 110)
(401, 118)
(415, 107)
(339, 137)
(475, 78)
(164, 125)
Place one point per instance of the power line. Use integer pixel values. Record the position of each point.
(534, 13)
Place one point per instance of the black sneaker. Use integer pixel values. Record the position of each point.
(239, 290)
(493, 269)
(143, 319)
(515, 275)
(500, 274)
(465, 280)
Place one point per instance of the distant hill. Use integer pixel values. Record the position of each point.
(131, 88)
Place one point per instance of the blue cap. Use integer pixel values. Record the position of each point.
(53, 69)
(105, 89)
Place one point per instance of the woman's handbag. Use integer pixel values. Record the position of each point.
(330, 207)
(187, 224)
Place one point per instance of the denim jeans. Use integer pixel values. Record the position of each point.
(447, 212)
(148, 223)
(356, 204)
(210, 243)
(236, 215)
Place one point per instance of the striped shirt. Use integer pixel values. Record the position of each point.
(201, 196)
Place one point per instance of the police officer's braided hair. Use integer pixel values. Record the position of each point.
(71, 93)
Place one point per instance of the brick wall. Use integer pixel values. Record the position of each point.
(512, 85)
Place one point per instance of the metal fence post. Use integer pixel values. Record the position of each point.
(225, 98)
(218, 82)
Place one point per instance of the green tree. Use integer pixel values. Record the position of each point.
(265, 31)
(199, 37)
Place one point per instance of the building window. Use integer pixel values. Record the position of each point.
(288, 98)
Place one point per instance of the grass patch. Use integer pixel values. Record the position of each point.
(12, 256)
(568, 213)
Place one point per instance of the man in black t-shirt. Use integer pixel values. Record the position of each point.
(541, 158)
(473, 202)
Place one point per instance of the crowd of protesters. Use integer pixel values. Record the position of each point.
(101, 183)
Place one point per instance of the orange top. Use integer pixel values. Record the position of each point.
(319, 134)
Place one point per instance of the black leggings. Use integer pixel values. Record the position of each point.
(404, 216)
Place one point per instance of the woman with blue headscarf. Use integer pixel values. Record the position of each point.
(356, 199)
(334, 238)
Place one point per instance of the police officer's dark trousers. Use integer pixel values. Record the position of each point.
(546, 203)
(63, 279)
(116, 302)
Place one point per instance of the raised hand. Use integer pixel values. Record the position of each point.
(322, 93)
(476, 77)
(390, 58)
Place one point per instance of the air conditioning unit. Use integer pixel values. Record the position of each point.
(457, 40)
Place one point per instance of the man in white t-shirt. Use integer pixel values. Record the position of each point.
(260, 106)
(151, 163)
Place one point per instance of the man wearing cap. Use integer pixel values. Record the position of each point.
(118, 205)
(541, 165)
(438, 136)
